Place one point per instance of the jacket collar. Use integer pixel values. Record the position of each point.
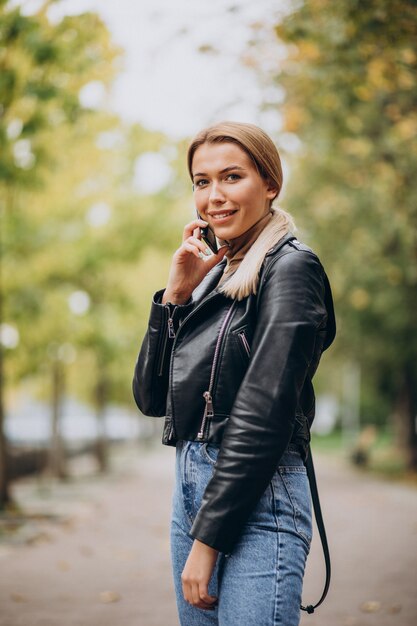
(210, 281)
(287, 237)
(209, 285)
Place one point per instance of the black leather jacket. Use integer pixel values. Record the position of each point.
(238, 373)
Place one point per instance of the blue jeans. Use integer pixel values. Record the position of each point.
(260, 583)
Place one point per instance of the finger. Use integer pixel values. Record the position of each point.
(195, 595)
(189, 228)
(186, 592)
(222, 251)
(215, 258)
(191, 595)
(201, 245)
(193, 249)
(205, 596)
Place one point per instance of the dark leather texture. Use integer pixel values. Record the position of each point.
(257, 357)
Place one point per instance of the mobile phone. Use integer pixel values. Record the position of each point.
(208, 236)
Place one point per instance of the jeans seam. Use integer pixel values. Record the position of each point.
(207, 456)
(184, 482)
(300, 533)
(277, 559)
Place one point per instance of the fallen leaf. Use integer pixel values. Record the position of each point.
(372, 606)
(38, 539)
(109, 596)
(394, 608)
(17, 597)
(64, 566)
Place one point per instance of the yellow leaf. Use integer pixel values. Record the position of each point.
(363, 92)
(359, 299)
(406, 79)
(17, 597)
(309, 50)
(408, 55)
(294, 117)
(356, 147)
(371, 606)
(107, 597)
(407, 128)
(378, 70)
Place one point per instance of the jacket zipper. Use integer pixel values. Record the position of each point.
(169, 332)
(208, 409)
(193, 312)
(245, 343)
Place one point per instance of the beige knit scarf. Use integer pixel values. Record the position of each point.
(247, 252)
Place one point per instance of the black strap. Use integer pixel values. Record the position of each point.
(309, 460)
(320, 525)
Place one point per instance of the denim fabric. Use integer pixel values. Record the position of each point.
(260, 583)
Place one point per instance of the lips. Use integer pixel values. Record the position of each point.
(222, 215)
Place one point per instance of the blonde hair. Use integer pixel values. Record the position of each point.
(264, 155)
(253, 140)
(244, 281)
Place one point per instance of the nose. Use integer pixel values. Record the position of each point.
(216, 194)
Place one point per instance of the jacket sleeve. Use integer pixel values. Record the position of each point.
(291, 311)
(150, 379)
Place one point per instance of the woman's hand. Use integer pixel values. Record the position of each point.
(190, 263)
(196, 576)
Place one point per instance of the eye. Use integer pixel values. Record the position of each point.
(236, 177)
(201, 182)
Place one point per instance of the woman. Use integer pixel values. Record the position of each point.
(232, 345)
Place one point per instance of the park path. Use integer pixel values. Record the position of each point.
(105, 560)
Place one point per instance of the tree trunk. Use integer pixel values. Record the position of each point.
(101, 447)
(5, 497)
(405, 414)
(411, 416)
(57, 465)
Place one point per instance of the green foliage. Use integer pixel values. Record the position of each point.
(43, 66)
(350, 83)
(73, 163)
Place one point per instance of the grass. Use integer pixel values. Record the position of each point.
(385, 458)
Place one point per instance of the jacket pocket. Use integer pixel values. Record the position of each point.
(243, 342)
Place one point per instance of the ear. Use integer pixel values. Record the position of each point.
(272, 190)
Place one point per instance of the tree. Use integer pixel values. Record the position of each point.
(350, 96)
(43, 67)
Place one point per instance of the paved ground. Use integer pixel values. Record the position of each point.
(105, 560)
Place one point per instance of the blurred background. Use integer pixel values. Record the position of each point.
(98, 101)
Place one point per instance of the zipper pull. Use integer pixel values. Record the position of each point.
(171, 331)
(208, 412)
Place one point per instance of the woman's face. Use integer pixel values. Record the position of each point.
(228, 191)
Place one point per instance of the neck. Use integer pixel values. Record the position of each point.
(238, 246)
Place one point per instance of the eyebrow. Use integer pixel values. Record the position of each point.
(226, 169)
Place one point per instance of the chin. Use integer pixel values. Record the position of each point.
(224, 233)
(227, 233)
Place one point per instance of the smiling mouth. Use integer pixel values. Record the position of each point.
(219, 216)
